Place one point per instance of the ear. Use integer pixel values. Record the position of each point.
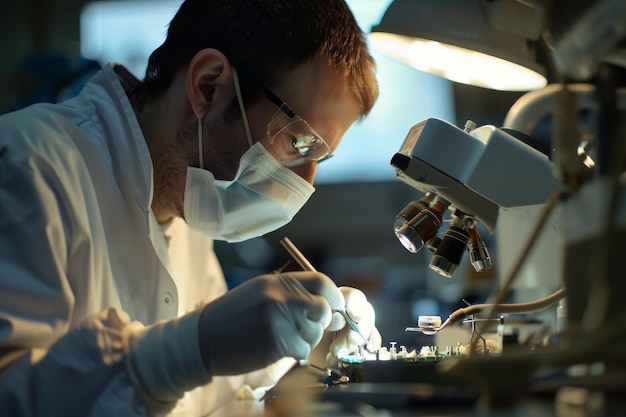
(209, 79)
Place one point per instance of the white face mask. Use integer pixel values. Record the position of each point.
(263, 196)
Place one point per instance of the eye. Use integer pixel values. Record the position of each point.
(287, 146)
(303, 144)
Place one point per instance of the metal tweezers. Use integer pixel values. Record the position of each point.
(306, 265)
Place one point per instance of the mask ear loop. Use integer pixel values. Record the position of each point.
(241, 107)
(200, 147)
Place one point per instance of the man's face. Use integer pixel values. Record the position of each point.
(315, 92)
(318, 95)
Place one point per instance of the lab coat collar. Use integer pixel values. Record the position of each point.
(114, 115)
(115, 118)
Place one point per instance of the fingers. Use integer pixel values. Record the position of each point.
(277, 314)
(298, 348)
(320, 284)
(308, 298)
(311, 332)
(357, 305)
(358, 308)
(364, 316)
(307, 295)
(337, 322)
(304, 301)
(362, 312)
(345, 340)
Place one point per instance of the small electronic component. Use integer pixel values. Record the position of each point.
(429, 321)
(428, 325)
(393, 353)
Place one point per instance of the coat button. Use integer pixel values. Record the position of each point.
(168, 299)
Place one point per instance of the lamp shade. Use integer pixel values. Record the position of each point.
(457, 39)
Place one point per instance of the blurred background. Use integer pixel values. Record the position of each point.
(51, 48)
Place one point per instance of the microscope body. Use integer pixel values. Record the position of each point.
(480, 174)
(478, 171)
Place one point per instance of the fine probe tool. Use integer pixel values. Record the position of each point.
(306, 265)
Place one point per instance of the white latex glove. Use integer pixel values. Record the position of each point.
(267, 318)
(252, 326)
(346, 340)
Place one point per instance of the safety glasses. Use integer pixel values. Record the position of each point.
(294, 141)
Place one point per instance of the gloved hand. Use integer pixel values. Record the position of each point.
(265, 319)
(262, 320)
(345, 340)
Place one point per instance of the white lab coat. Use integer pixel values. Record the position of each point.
(78, 237)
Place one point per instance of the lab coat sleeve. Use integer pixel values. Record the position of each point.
(84, 373)
(65, 368)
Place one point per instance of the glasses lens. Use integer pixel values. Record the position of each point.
(294, 141)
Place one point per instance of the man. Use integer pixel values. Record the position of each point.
(111, 299)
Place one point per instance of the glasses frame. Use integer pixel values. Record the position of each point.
(292, 115)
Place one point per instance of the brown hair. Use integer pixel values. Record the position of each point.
(260, 36)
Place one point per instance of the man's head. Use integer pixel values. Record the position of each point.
(310, 54)
(263, 39)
